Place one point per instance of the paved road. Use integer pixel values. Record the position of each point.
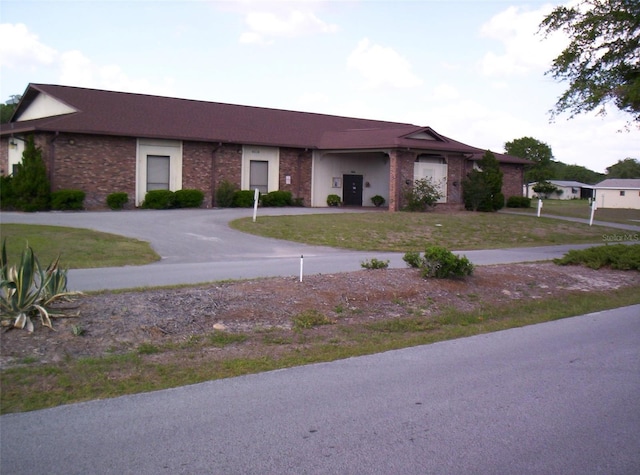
(560, 397)
(198, 246)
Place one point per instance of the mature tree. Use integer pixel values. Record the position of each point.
(482, 189)
(539, 153)
(7, 109)
(602, 61)
(627, 168)
(562, 171)
(30, 183)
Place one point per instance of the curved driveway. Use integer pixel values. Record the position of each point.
(198, 246)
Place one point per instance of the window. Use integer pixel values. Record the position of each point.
(259, 175)
(158, 172)
(621, 192)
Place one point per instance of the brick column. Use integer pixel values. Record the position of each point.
(394, 186)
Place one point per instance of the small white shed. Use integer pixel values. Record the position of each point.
(565, 190)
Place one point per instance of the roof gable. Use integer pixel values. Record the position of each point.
(39, 105)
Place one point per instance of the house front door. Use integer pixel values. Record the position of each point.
(352, 190)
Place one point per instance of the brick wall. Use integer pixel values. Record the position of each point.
(227, 165)
(98, 165)
(512, 180)
(456, 172)
(197, 165)
(296, 164)
(4, 156)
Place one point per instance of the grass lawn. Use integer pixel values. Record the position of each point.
(581, 209)
(403, 231)
(78, 248)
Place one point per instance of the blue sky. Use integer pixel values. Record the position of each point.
(473, 70)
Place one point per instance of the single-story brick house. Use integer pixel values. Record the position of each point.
(565, 190)
(103, 142)
(618, 193)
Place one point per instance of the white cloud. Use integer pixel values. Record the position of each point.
(19, 48)
(381, 66)
(264, 26)
(523, 48)
(444, 92)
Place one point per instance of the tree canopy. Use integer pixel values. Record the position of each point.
(602, 61)
(627, 168)
(7, 109)
(539, 153)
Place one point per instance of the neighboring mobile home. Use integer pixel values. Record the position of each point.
(103, 142)
(618, 193)
(565, 190)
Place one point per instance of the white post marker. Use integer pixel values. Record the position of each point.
(301, 266)
(256, 195)
(593, 211)
(539, 206)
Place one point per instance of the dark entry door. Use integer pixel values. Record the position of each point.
(352, 190)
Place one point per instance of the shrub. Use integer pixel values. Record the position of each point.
(374, 264)
(481, 189)
(27, 291)
(518, 202)
(117, 200)
(333, 200)
(413, 259)
(7, 196)
(67, 200)
(616, 256)
(439, 262)
(188, 198)
(421, 195)
(277, 199)
(158, 199)
(224, 194)
(243, 199)
(30, 184)
(498, 201)
(377, 200)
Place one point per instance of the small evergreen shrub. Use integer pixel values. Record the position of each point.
(413, 259)
(67, 200)
(117, 200)
(616, 256)
(421, 195)
(374, 264)
(225, 193)
(30, 184)
(518, 202)
(498, 201)
(7, 196)
(158, 199)
(334, 200)
(440, 263)
(377, 200)
(243, 199)
(188, 198)
(277, 199)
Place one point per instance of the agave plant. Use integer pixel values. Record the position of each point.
(26, 290)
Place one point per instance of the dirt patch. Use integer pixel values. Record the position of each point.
(121, 322)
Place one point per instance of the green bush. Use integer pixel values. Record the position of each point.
(277, 199)
(498, 201)
(518, 202)
(225, 193)
(334, 200)
(616, 256)
(7, 196)
(188, 198)
(421, 195)
(440, 263)
(67, 200)
(243, 199)
(413, 259)
(374, 264)
(377, 200)
(30, 184)
(158, 199)
(117, 200)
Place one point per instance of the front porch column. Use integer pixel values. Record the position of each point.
(394, 181)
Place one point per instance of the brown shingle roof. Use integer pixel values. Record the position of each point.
(139, 115)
